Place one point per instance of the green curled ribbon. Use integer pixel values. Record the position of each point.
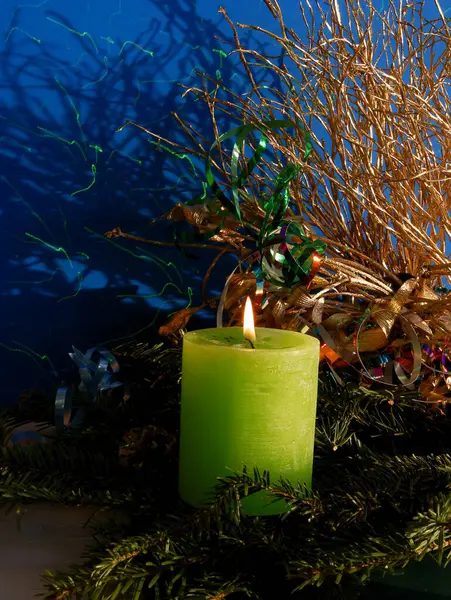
(279, 200)
(290, 262)
(278, 203)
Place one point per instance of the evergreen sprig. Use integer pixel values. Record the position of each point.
(380, 496)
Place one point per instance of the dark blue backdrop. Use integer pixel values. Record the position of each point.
(70, 74)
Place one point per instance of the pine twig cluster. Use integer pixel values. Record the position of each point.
(380, 498)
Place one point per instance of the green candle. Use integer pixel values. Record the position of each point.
(243, 405)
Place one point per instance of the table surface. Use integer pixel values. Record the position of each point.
(46, 537)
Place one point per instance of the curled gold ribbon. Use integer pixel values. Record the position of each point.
(399, 370)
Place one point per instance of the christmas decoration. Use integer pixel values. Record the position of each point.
(333, 193)
(379, 497)
(334, 198)
(248, 396)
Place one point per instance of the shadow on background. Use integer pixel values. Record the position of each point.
(66, 177)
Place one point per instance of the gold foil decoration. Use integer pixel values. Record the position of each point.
(370, 340)
(279, 311)
(317, 312)
(339, 320)
(386, 317)
(241, 284)
(196, 215)
(301, 298)
(417, 321)
(178, 322)
(228, 236)
(200, 216)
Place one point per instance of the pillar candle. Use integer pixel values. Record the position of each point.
(247, 406)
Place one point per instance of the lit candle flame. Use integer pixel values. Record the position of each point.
(248, 324)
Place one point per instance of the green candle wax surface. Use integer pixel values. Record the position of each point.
(244, 406)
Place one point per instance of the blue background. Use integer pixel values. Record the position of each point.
(71, 73)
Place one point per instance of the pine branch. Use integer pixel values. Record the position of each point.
(372, 508)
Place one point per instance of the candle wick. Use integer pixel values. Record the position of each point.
(251, 343)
